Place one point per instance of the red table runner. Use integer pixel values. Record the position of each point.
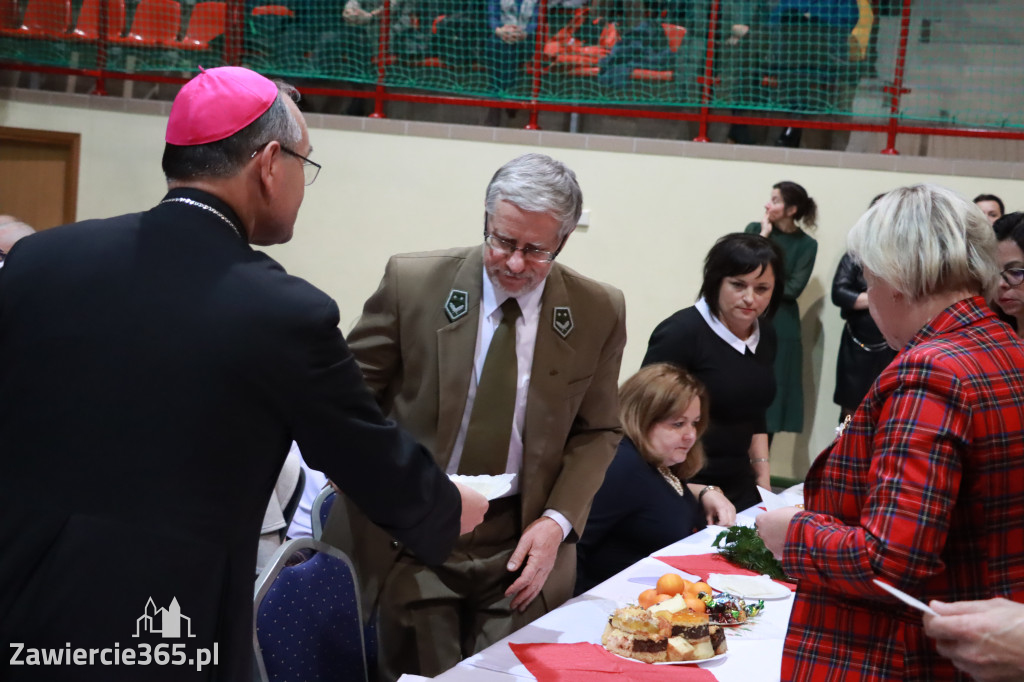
(706, 564)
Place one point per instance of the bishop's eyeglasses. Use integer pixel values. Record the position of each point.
(310, 169)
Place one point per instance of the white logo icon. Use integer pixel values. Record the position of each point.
(166, 622)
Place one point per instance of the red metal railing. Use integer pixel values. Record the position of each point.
(891, 126)
(896, 89)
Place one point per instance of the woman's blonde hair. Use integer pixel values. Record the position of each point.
(655, 393)
(925, 240)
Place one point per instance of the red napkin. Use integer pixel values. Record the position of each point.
(706, 564)
(586, 662)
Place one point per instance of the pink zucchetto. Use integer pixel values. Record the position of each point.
(218, 103)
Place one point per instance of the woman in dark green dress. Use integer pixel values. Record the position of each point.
(787, 214)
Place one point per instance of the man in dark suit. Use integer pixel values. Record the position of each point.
(154, 369)
(423, 343)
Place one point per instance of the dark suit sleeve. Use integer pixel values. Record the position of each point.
(388, 475)
(595, 432)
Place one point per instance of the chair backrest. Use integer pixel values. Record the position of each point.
(272, 11)
(47, 17)
(307, 622)
(609, 36)
(321, 510)
(206, 23)
(674, 35)
(9, 13)
(156, 23)
(88, 27)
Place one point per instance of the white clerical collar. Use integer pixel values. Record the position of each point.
(716, 326)
(529, 302)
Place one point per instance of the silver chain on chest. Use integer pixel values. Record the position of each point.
(201, 205)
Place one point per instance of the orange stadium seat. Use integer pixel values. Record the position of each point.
(156, 24)
(88, 27)
(9, 14)
(45, 19)
(206, 23)
(272, 11)
(674, 35)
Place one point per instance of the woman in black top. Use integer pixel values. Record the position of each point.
(645, 502)
(863, 352)
(721, 340)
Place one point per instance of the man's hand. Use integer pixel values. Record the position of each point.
(510, 33)
(474, 506)
(985, 639)
(772, 527)
(355, 15)
(540, 543)
(737, 33)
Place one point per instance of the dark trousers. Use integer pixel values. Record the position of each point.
(430, 618)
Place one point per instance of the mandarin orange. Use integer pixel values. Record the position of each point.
(672, 584)
(701, 587)
(646, 598)
(696, 604)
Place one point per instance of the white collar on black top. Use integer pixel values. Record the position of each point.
(717, 327)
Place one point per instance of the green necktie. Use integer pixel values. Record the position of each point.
(485, 450)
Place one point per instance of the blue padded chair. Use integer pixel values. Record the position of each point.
(321, 510)
(308, 625)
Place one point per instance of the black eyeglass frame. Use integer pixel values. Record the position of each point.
(530, 253)
(1018, 274)
(306, 161)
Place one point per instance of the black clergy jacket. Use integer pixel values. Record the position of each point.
(154, 369)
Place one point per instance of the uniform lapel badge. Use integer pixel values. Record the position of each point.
(563, 321)
(457, 304)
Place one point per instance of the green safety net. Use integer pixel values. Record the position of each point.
(950, 62)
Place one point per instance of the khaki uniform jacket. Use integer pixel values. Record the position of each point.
(417, 358)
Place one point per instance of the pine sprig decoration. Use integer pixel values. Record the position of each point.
(744, 547)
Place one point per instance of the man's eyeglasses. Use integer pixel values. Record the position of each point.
(507, 247)
(310, 169)
(1013, 276)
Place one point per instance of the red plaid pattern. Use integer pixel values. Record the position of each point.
(925, 490)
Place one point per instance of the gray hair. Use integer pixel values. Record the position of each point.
(925, 240)
(539, 184)
(225, 158)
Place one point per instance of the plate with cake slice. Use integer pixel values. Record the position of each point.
(663, 634)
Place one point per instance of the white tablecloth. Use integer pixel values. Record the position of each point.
(755, 649)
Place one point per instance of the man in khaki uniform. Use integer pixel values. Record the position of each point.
(422, 343)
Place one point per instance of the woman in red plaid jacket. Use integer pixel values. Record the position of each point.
(924, 487)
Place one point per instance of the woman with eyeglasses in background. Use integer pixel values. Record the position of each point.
(1009, 299)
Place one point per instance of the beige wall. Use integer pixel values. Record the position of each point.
(388, 187)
